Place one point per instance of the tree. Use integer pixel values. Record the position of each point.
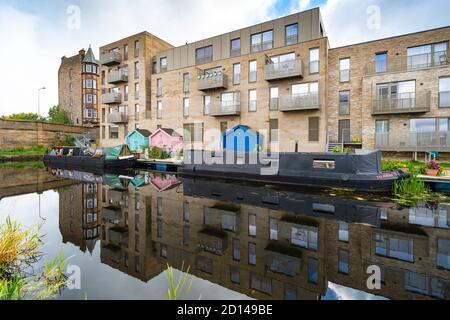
(24, 116)
(58, 116)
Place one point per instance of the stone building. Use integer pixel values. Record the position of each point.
(78, 88)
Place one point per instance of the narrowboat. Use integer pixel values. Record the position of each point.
(360, 171)
(99, 158)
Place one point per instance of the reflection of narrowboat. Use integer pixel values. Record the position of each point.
(361, 171)
(117, 157)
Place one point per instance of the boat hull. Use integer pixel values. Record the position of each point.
(87, 162)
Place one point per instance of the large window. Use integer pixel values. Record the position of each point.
(204, 55)
(283, 58)
(252, 101)
(137, 48)
(206, 104)
(344, 70)
(262, 41)
(186, 103)
(136, 69)
(305, 237)
(273, 229)
(235, 47)
(443, 254)
(291, 34)
(444, 92)
(236, 250)
(114, 132)
(252, 71)
(429, 286)
(427, 56)
(396, 96)
(252, 254)
(252, 225)
(343, 231)
(159, 87)
(314, 58)
(125, 52)
(381, 62)
(343, 256)
(394, 247)
(344, 103)
(273, 103)
(159, 110)
(313, 270)
(163, 64)
(260, 283)
(186, 82)
(236, 73)
(313, 129)
(303, 89)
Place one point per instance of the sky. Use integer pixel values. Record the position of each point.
(35, 34)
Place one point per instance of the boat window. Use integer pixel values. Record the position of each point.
(326, 208)
(324, 164)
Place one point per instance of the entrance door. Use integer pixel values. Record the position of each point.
(344, 131)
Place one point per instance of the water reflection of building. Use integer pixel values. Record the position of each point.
(79, 215)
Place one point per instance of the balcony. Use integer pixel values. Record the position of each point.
(212, 81)
(110, 58)
(117, 117)
(407, 103)
(225, 108)
(117, 76)
(222, 217)
(111, 98)
(118, 235)
(283, 70)
(413, 141)
(300, 103)
(266, 45)
(112, 253)
(213, 241)
(408, 63)
(282, 259)
(112, 214)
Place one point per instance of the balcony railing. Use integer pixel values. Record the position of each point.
(117, 76)
(225, 108)
(212, 81)
(111, 98)
(110, 58)
(117, 117)
(112, 215)
(413, 102)
(261, 46)
(227, 219)
(118, 235)
(300, 102)
(413, 141)
(282, 70)
(408, 63)
(273, 104)
(235, 52)
(203, 60)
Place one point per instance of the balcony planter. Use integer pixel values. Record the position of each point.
(432, 172)
(433, 168)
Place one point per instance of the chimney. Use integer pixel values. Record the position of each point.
(82, 53)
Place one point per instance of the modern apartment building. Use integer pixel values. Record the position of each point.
(126, 67)
(78, 88)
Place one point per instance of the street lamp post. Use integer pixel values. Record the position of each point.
(39, 100)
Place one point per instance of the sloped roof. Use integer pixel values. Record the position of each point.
(90, 57)
(142, 132)
(170, 132)
(238, 127)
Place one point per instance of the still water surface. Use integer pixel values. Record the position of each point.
(241, 241)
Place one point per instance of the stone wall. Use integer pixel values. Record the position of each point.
(26, 134)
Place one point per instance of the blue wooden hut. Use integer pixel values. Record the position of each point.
(241, 139)
(138, 139)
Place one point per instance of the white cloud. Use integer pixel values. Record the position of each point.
(346, 293)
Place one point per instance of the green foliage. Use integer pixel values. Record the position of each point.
(23, 165)
(25, 117)
(70, 141)
(339, 149)
(158, 153)
(57, 115)
(410, 166)
(178, 288)
(33, 151)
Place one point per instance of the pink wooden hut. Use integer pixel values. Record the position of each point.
(164, 183)
(167, 139)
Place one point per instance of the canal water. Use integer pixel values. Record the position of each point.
(239, 240)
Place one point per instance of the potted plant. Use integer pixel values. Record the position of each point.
(432, 168)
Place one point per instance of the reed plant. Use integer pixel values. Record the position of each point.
(178, 288)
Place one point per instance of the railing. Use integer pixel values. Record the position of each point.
(291, 40)
(111, 98)
(203, 60)
(117, 117)
(212, 81)
(408, 63)
(300, 102)
(261, 46)
(110, 58)
(273, 104)
(412, 102)
(287, 69)
(117, 76)
(413, 141)
(225, 108)
(163, 69)
(235, 52)
(444, 99)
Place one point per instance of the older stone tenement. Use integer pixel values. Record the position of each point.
(78, 88)
(281, 78)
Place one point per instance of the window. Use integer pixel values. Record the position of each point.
(252, 101)
(136, 91)
(427, 56)
(290, 292)
(252, 71)
(344, 70)
(273, 130)
(186, 212)
(235, 47)
(163, 252)
(282, 58)
(206, 104)
(163, 64)
(103, 131)
(186, 107)
(103, 77)
(186, 230)
(137, 48)
(136, 70)
(159, 87)
(274, 101)
(343, 261)
(291, 34)
(261, 41)
(443, 254)
(344, 103)
(186, 82)
(252, 254)
(205, 265)
(423, 125)
(444, 92)
(252, 225)
(126, 91)
(313, 270)
(305, 237)
(204, 55)
(273, 229)
(260, 283)
(125, 52)
(136, 112)
(230, 101)
(70, 87)
(381, 62)
(305, 89)
(159, 206)
(313, 129)
(429, 286)
(234, 275)
(70, 74)
(236, 250)
(114, 132)
(314, 58)
(394, 247)
(236, 73)
(396, 96)
(343, 231)
(159, 108)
